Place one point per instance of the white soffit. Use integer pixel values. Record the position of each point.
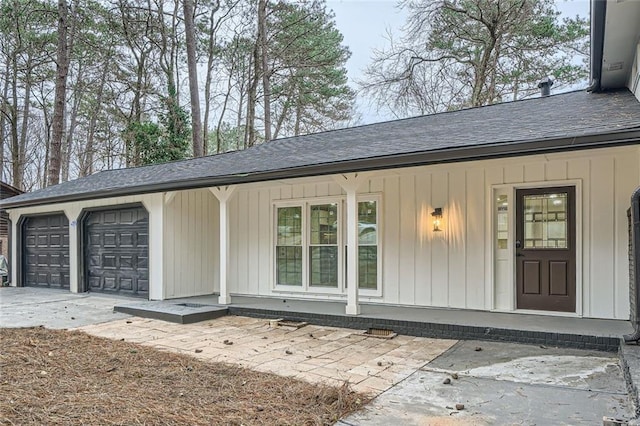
(621, 36)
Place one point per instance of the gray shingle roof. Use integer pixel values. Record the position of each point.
(449, 136)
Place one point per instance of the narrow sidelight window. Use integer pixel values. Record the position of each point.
(367, 245)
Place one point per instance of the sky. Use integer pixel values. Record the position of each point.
(364, 25)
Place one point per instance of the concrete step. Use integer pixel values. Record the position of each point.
(181, 313)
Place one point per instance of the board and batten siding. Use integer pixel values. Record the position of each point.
(191, 249)
(455, 268)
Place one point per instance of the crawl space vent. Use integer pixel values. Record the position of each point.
(380, 333)
(287, 323)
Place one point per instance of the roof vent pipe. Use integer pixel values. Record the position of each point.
(545, 86)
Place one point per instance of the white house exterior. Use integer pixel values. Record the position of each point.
(533, 198)
(465, 265)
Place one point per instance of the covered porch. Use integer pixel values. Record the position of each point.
(585, 333)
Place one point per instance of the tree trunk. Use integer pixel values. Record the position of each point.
(86, 162)
(47, 147)
(68, 143)
(16, 158)
(189, 29)
(73, 120)
(250, 136)
(62, 68)
(262, 43)
(4, 112)
(22, 147)
(222, 112)
(211, 45)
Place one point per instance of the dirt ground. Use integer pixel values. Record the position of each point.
(68, 377)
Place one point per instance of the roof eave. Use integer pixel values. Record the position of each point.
(443, 156)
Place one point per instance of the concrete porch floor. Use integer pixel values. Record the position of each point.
(586, 333)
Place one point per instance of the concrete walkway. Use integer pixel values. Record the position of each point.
(313, 353)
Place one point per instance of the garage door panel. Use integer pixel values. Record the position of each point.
(143, 263)
(127, 217)
(56, 279)
(45, 251)
(108, 240)
(93, 239)
(30, 241)
(56, 259)
(143, 239)
(94, 283)
(127, 240)
(117, 256)
(126, 284)
(56, 240)
(108, 261)
(44, 279)
(126, 262)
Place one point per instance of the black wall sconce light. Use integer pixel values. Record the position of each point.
(437, 219)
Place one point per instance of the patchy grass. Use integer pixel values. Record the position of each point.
(69, 377)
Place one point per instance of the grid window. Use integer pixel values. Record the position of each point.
(545, 221)
(368, 245)
(310, 252)
(323, 249)
(289, 246)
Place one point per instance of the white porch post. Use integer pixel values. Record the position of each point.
(72, 214)
(155, 207)
(15, 217)
(223, 194)
(350, 184)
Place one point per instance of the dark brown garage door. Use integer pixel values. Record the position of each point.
(116, 247)
(45, 256)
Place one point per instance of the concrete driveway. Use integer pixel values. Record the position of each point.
(52, 308)
(505, 384)
(498, 383)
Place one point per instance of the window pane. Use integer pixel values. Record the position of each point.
(367, 223)
(324, 224)
(545, 221)
(289, 226)
(368, 267)
(323, 266)
(502, 222)
(289, 265)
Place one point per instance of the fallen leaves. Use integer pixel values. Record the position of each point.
(60, 377)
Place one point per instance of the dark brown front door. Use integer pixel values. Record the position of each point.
(546, 249)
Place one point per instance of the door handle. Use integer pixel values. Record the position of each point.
(519, 255)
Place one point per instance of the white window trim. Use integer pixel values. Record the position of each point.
(306, 288)
(274, 238)
(306, 280)
(377, 197)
